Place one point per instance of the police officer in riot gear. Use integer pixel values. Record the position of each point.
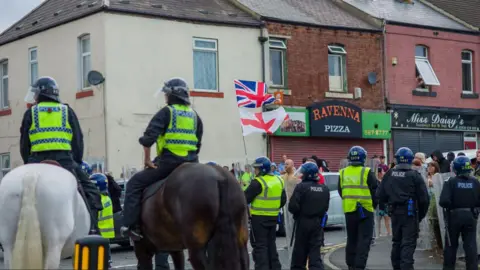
(309, 206)
(460, 197)
(177, 131)
(405, 192)
(357, 186)
(50, 130)
(266, 194)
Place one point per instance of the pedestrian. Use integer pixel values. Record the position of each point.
(460, 198)
(382, 214)
(275, 169)
(106, 224)
(443, 163)
(309, 206)
(281, 165)
(477, 165)
(356, 186)
(421, 156)
(404, 190)
(115, 192)
(450, 157)
(290, 181)
(267, 196)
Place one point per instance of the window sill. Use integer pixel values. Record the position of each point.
(273, 89)
(5, 112)
(423, 93)
(471, 95)
(335, 94)
(84, 94)
(206, 94)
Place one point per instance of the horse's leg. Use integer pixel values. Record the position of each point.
(198, 258)
(144, 255)
(53, 256)
(178, 260)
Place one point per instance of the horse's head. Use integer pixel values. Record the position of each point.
(51, 162)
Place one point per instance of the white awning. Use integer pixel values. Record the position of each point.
(426, 71)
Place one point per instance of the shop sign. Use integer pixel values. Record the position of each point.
(376, 125)
(415, 119)
(296, 125)
(335, 118)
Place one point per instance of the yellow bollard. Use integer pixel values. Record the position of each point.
(91, 253)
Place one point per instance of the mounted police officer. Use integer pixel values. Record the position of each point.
(266, 196)
(357, 186)
(309, 206)
(460, 197)
(51, 131)
(177, 131)
(405, 192)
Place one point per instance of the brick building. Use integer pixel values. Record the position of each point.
(327, 63)
(431, 65)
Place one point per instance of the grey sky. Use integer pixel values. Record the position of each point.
(13, 10)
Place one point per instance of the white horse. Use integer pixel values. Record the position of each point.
(41, 216)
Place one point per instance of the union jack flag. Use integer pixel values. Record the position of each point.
(252, 94)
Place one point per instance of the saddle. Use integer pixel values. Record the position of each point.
(51, 162)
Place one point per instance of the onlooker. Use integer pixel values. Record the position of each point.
(304, 160)
(450, 157)
(443, 163)
(343, 163)
(421, 156)
(275, 169)
(433, 168)
(321, 163)
(476, 173)
(281, 166)
(382, 164)
(383, 214)
(417, 165)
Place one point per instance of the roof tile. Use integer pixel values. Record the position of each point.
(465, 10)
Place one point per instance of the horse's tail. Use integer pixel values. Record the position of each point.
(227, 238)
(28, 249)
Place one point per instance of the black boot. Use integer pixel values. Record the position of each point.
(133, 232)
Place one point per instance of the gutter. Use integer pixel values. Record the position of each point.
(332, 27)
(465, 32)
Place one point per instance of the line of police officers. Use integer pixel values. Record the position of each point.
(402, 189)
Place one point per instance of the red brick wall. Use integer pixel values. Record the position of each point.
(444, 53)
(307, 61)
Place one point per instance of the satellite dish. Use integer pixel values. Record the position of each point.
(372, 78)
(95, 78)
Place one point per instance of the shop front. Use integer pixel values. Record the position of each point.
(426, 129)
(328, 130)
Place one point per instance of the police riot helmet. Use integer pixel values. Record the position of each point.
(309, 171)
(212, 163)
(100, 180)
(44, 86)
(178, 88)
(404, 156)
(357, 155)
(86, 168)
(264, 164)
(462, 165)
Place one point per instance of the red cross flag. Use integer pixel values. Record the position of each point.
(262, 122)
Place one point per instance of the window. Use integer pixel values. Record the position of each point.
(469, 140)
(424, 71)
(4, 85)
(205, 64)
(33, 64)
(4, 164)
(467, 71)
(85, 61)
(278, 71)
(337, 71)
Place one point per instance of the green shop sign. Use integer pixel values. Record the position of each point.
(376, 125)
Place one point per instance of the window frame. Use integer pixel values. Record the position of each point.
(32, 62)
(334, 50)
(283, 51)
(471, 70)
(81, 56)
(431, 70)
(3, 104)
(211, 50)
(4, 171)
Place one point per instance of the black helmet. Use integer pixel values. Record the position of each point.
(177, 87)
(47, 87)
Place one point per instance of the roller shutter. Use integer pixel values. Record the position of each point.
(332, 150)
(427, 141)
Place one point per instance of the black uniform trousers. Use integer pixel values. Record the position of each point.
(138, 183)
(404, 240)
(359, 237)
(461, 222)
(161, 261)
(308, 241)
(263, 241)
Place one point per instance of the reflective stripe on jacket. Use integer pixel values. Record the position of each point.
(105, 218)
(50, 129)
(353, 180)
(180, 136)
(268, 202)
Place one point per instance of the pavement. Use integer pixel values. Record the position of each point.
(379, 257)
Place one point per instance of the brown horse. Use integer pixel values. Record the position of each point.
(200, 208)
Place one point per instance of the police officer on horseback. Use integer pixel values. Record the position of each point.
(405, 192)
(267, 196)
(460, 198)
(177, 131)
(50, 130)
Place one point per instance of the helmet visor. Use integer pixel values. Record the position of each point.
(300, 171)
(32, 95)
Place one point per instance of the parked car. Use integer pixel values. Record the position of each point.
(118, 220)
(335, 208)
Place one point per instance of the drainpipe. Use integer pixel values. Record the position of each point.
(262, 39)
(105, 123)
(384, 75)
